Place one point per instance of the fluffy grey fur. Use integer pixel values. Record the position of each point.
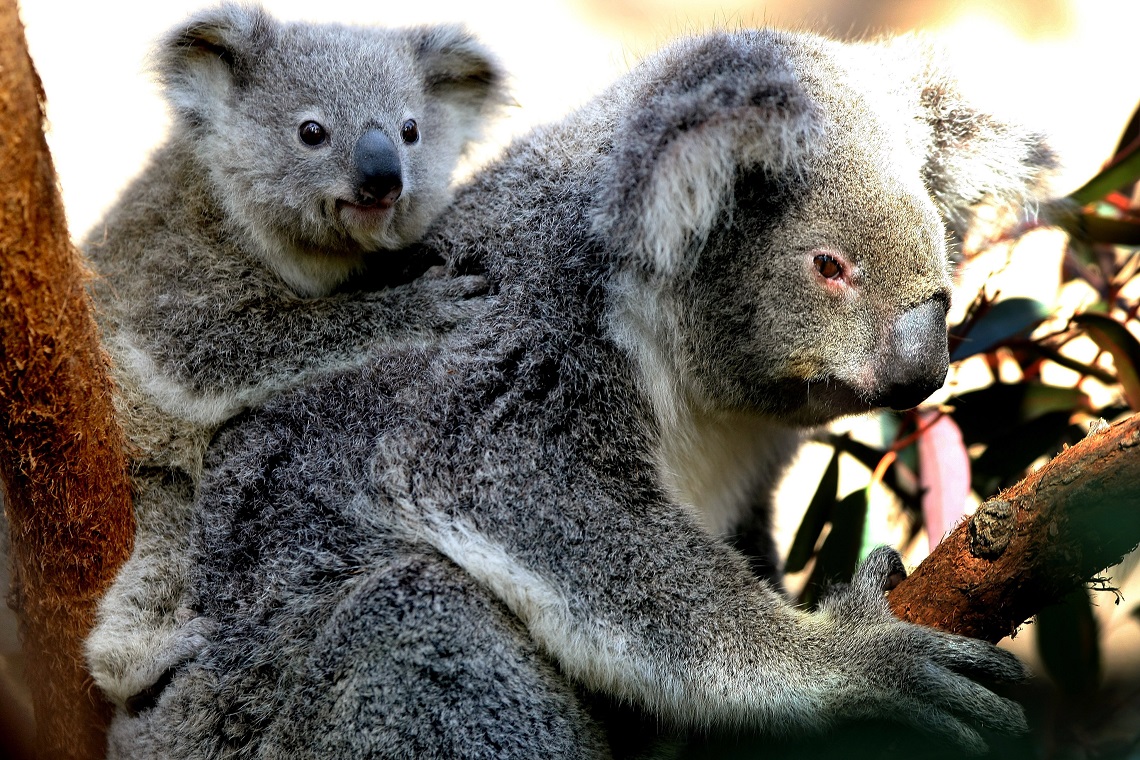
(458, 550)
(244, 261)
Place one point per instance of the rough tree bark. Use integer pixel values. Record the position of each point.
(1033, 543)
(66, 492)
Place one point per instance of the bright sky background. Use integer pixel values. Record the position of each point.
(1065, 65)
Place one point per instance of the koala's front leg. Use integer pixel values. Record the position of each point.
(206, 357)
(650, 609)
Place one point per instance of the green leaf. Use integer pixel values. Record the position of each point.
(818, 514)
(1124, 170)
(1100, 229)
(1068, 642)
(869, 457)
(1040, 400)
(839, 554)
(1130, 134)
(1083, 262)
(1008, 455)
(1007, 319)
(1114, 337)
(1054, 355)
(992, 412)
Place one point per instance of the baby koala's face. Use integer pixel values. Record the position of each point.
(333, 142)
(326, 142)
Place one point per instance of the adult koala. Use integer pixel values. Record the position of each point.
(455, 551)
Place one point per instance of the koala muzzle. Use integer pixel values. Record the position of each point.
(379, 182)
(916, 359)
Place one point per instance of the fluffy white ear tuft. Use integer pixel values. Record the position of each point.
(972, 157)
(713, 110)
(202, 59)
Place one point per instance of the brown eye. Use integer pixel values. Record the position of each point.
(828, 266)
(312, 133)
(410, 132)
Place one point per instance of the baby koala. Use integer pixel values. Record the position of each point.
(259, 249)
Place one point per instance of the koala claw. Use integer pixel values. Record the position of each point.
(952, 703)
(862, 599)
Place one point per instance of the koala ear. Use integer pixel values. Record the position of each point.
(704, 113)
(973, 157)
(199, 61)
(458, 69)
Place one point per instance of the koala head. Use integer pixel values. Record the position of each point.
(780, 205)
(326, 142)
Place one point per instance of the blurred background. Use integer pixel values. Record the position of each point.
(1059, 63)
(1066, 67)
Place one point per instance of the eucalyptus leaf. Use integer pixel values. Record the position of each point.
(1121, 172)
(818, 514)
(1118, 340)
(1011, 318)
(1008, 456)
(837, 558)
(1101, 229)
(993, 412)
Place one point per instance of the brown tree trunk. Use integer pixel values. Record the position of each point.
(66, 492)
(1033, 543)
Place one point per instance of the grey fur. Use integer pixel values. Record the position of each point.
(236, 265)
(464, 550)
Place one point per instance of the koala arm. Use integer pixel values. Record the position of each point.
(672, 619)
(207, 354)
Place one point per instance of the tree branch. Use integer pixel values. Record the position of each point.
(1028, 546)
(66, 492)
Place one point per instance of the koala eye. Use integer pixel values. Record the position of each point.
(828, 266)
(410, 132)
(313, 133)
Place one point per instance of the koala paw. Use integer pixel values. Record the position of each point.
(451, 300)
(457, 287)
(921, 676)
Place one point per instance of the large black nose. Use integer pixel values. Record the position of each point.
(917, 358)
(379, 182)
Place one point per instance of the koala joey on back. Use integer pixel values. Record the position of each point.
(260, 248)
(463, 550)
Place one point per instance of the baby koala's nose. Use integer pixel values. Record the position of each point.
(379, 182)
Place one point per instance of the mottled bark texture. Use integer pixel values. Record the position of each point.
(1033, 543)
(66, 492)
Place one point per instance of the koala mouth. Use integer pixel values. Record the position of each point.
(372, 206)
(371, 215)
